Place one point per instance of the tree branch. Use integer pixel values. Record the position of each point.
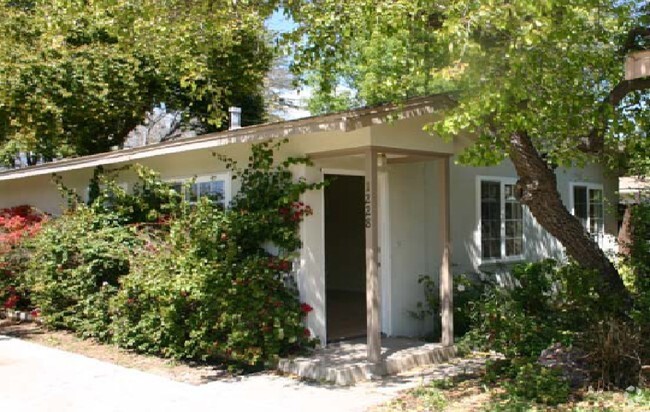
(632, 39)
(594, 142)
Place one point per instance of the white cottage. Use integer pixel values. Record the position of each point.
(397, 209)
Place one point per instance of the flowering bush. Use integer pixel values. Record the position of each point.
(17, 224)
(196, 295)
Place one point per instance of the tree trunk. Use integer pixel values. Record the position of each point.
(537, 189)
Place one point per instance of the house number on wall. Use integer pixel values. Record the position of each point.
(368, 206)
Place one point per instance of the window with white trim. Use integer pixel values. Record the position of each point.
(588, 207)
(215, 187)
(501, 220)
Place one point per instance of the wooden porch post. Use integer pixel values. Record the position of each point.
(372, 272)
(446, 278)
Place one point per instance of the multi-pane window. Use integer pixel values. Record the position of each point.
(588, 208)
(213, 188)
(501, 220)
(514, 222)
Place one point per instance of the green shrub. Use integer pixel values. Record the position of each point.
(638, 263)
(150, 200)
(540, 384)
(76, 260)
(551, 303)
(467, 292)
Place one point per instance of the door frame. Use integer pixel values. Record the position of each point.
(384, 243)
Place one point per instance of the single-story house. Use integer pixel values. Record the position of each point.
(400, 207)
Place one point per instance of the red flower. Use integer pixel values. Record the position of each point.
(306, 332)
(285, 265)
(11, 302)
(35, 313)
(305, 308)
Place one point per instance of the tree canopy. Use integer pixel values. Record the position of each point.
(548, 67)
(77, 76)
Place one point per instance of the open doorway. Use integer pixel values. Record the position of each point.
(345, 263)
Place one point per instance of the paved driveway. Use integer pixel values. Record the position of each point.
(38, 378)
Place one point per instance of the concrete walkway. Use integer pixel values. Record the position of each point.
(37, 378)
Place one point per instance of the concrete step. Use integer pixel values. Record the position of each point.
(344, 363)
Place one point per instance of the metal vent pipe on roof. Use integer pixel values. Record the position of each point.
(235, 117)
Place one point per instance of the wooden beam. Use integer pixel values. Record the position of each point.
(372, 267)
(446, 278)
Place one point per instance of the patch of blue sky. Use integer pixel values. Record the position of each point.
(280, 23)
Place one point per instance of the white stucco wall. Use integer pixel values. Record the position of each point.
(537, 242)
(414, 240)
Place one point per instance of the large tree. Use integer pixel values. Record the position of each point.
(538, 82)
(77, 76)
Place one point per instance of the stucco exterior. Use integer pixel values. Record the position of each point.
(409, 198)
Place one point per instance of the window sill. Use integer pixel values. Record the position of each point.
(502, 261)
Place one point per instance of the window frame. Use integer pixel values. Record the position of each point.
(503, 181)
(572, 201)
(226, 177)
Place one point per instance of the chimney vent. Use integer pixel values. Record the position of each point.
(235, 117)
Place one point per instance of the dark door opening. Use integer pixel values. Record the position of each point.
(345, 262)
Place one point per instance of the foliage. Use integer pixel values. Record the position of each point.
(150, 200)
(76, 77)
(200, 295)
(76, 261)
(431, 397)
(557, 303)
(638, 261)
(150, 272)
(540, 384)
(467, 292)
(17, 226)
(384, 51)
(269, 201)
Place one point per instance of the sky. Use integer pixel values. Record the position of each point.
(280, 23)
